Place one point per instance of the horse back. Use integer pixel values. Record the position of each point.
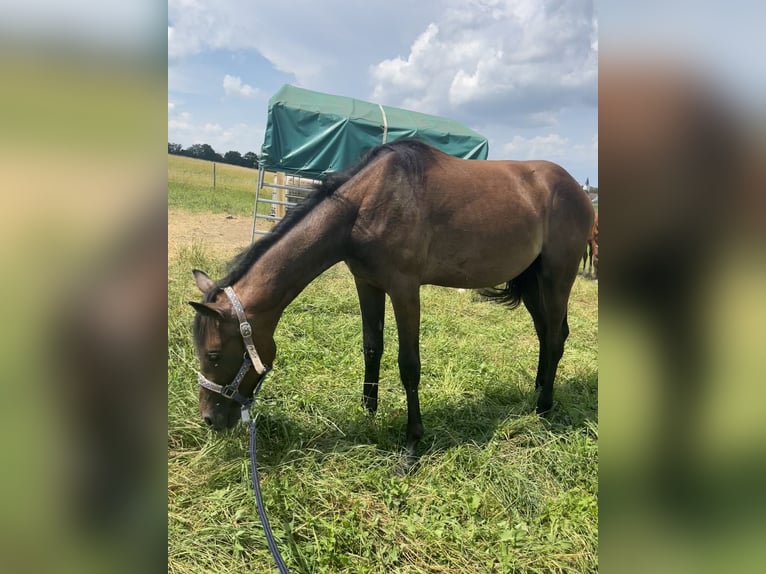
(461, 223)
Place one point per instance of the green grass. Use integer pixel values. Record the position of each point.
(190, 187)
(497, 488)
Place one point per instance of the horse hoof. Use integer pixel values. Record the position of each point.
(370, 405)
(404, 469)
(406, 465)
(544, 410)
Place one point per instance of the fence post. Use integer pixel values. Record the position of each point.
(282, 180)
(213, 176)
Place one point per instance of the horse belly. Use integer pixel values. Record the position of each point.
(474, 260)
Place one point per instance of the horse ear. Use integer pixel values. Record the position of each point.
(204, 283)
(208, 309)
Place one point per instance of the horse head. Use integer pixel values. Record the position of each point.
(226, 342)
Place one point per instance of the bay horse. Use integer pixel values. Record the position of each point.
(406, 215)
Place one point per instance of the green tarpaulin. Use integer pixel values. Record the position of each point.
(311, 133)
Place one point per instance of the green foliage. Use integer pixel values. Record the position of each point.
(206, 152)
(233, 157)
(203, 151)
(250, 160)
(497, 489)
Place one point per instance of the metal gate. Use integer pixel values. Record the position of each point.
(287, 191)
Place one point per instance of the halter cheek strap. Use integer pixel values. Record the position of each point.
(245, 330)
(231, 391)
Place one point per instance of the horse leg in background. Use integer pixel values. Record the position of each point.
(406, 303)
(546, 300)
(372, 302)
(594, 251)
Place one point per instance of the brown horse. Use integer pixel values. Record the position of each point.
(591, 252)
(406, 215)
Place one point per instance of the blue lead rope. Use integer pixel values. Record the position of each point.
(231, 391)
(261, 509)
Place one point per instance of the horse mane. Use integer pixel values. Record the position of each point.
(412, 157)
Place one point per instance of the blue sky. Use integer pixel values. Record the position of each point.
(523, 73)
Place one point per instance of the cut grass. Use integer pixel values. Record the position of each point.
(497, 489)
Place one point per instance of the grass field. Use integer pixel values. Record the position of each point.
(497, 488)
(190, 186)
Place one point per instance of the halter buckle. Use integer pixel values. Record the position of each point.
(228, 391)
(245, 329)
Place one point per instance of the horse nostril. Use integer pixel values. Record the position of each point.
(208, 420)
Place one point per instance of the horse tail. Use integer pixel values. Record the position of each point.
(510, 294)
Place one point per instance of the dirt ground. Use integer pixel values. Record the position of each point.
(221, 234)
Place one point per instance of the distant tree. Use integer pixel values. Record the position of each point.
(250, 160)
(203, 151)
(233, 157)
(175, 148)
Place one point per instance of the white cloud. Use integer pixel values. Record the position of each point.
(302, 38)
(242, 137)
(497, 58)
(468, 59)
(553, 147)
(503, 67)
(550, 147)
(180, 44)
(179, 123)
(171, 107)
(233, 86)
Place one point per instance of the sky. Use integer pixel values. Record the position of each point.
(523, 73)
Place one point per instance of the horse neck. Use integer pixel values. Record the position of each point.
(314, 245)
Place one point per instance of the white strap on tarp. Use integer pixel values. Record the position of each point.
(385, 123)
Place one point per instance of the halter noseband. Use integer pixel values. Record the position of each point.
(231, 391)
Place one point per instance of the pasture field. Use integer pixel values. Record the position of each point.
(190, 186)
(497, 488)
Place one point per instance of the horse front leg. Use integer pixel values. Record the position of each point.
(372, 304)
(406, 304)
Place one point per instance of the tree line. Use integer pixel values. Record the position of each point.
(205, 151)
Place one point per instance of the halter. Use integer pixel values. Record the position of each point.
(231, 391)
(251, 359)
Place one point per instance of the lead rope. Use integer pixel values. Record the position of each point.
(259, 503)
(246, 331)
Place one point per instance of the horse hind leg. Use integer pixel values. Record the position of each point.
(546, 298)
(372, 305)
(595, 260)
(405, 300)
